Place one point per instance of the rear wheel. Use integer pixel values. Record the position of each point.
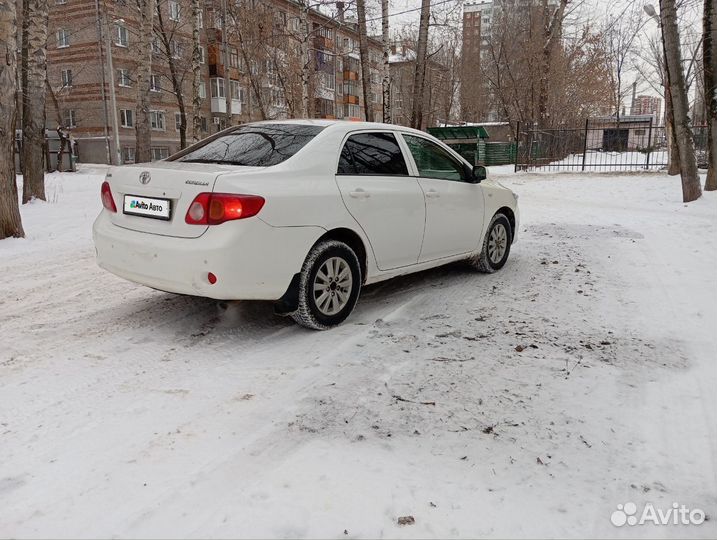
(329, 285)
(496, 245)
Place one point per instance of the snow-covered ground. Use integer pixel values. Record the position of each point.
(526, 403)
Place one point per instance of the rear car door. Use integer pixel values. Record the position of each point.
(387, 203)
(454, 205)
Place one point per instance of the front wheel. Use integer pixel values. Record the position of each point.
(329, 285)
(496, 245)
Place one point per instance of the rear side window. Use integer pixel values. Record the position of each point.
(261, 145)
(375, 154)
(433, 161)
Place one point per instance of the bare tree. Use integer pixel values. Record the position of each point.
(365, 63)
(10, 221)
(196, 71)
(386, 70)
(709, 60)
(143, 132)
(691, 189)
(552, 36)
(419, 78)
(34, 74)
(621, 32)
(165, 32)
(305, 59)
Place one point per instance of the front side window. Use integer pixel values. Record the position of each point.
(255, 145)
(433, 161)
(372, 154)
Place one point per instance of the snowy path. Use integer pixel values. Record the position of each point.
(130, 412)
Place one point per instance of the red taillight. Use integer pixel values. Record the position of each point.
(216, 208)
(107, 199)
(211, 278)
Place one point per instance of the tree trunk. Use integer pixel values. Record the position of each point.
(174, 77)
(305, 58)
(420, 72)
(709, 56)
(386, 75)
(553, 34)
(34, 64)
(196, 72)
(143, 131)
(673, 157)
(365, 63)
(10, 221)
(691, 188)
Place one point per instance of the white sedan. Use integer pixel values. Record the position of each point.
(301, 212)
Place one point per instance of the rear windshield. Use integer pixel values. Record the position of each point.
(255, 145)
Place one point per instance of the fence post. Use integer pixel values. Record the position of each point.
(517, 145)
(649, 145)
(585, 143)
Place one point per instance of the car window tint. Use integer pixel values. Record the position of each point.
(433, 161)
(372, 154)
(259, 145)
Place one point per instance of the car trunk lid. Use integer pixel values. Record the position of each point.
(143, 192)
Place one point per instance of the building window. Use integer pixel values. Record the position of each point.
(155, 46)
(177, 121)
(60, 2)
(63, 38)
(217, 87)
(121, 35)
(174, 10)
(66, 77)
(175, 48)
(201, 18)
(127, 119)
(123, 77)
(159, 152)
(202, 90)
(128, 154)
(154, 83)
(69, 119)
(234, 85)
(201, 55)
(233, 58)
(242, 96)
(156, 120)
(354, 111)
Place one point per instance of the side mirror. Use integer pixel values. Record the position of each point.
(479, 173)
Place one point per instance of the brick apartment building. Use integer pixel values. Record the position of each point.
(651, 105)
(86, 36)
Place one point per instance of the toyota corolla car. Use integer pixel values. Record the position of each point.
(301, 212)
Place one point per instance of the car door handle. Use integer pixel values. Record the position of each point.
(359, 193)
(432, 194)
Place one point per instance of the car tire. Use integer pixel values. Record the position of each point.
(496, 245)
(329, 285)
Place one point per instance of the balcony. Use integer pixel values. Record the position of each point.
(350, 75)
(352, 100)
(219, 105)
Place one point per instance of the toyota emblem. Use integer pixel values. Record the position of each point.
(144, 177)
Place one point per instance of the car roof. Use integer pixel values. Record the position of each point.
(341, 125)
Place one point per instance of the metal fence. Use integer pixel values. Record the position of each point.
(598, 145)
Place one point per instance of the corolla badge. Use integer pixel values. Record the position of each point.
(144, 177)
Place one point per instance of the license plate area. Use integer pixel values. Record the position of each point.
(150, 207)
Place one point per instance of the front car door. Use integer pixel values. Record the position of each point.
(387, 203)
(454, 205)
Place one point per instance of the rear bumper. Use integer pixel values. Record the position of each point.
(251, 259)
